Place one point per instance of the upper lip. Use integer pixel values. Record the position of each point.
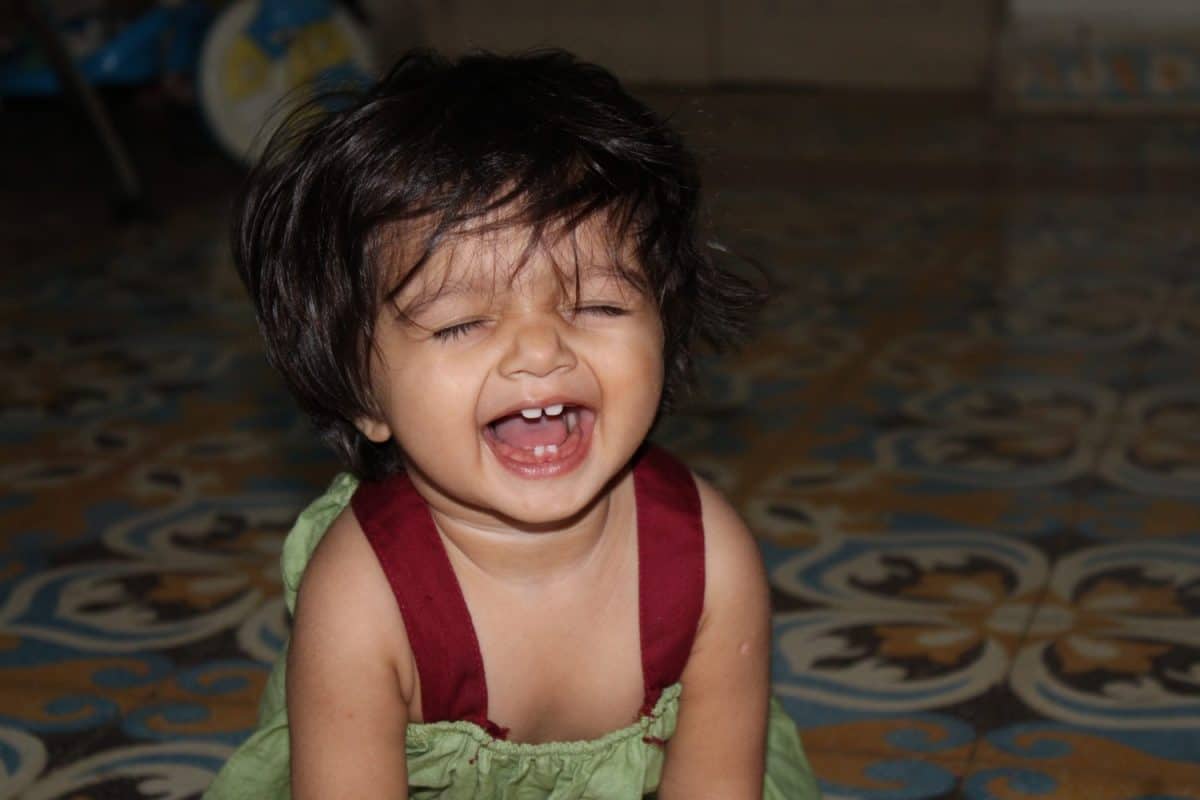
(551, 400)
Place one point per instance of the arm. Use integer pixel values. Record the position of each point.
(718, 749)
(350, 675)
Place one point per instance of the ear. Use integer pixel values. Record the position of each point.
(374, 429)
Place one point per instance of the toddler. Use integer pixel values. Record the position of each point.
(482, 281)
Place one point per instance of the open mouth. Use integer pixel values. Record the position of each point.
(541, 440)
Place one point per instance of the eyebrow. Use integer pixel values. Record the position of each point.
(478, 287)
(426, 298)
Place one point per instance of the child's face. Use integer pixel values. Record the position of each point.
(513, 399)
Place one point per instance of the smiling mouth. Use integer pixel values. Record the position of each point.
(539, 442)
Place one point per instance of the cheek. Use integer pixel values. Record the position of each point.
(640, 365)
(653, 345)
(421, 396)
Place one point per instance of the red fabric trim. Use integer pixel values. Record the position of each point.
(398, 525)
(401, 531)
(670, 568)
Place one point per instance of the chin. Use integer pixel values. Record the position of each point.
(548, 509)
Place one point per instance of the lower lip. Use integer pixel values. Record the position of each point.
(571, 452)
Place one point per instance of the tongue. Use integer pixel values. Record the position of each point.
(528, 434)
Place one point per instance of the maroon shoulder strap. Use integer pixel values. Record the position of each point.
(401, 531)
(398, 525)
(670, 568)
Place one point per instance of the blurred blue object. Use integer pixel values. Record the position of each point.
(164, 40)
(246, 62)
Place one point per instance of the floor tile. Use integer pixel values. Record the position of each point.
(896, 774)
(1045, 762)
(965, 433)
(885, 630)
(1115, 513)
(1108, 669)
(962, 459)
(1116, 637)
(120, 771)
(1154, 451)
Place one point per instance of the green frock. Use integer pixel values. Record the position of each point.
(461, 760)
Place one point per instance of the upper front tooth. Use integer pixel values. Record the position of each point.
(531, 413)
(554, 410)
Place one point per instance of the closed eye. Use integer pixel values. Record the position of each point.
(603, 310)
(452, 332)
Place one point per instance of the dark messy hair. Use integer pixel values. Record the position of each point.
(549, 140)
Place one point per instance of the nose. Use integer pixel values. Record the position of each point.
(536, 348)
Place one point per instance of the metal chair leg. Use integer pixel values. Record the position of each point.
(77, 86)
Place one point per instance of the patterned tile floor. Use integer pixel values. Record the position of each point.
(968, 434)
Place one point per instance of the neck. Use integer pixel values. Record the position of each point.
(514, 553)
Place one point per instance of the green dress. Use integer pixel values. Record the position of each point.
(460, 760)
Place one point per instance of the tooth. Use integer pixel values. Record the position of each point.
(554, 410)
(539, 451)
(552, 449)
(531, 413)
(572, 421)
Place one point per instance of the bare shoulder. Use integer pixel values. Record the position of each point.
(343, 572)
(719, 742)
(733, 564)
(349, 679)
(345, 598)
